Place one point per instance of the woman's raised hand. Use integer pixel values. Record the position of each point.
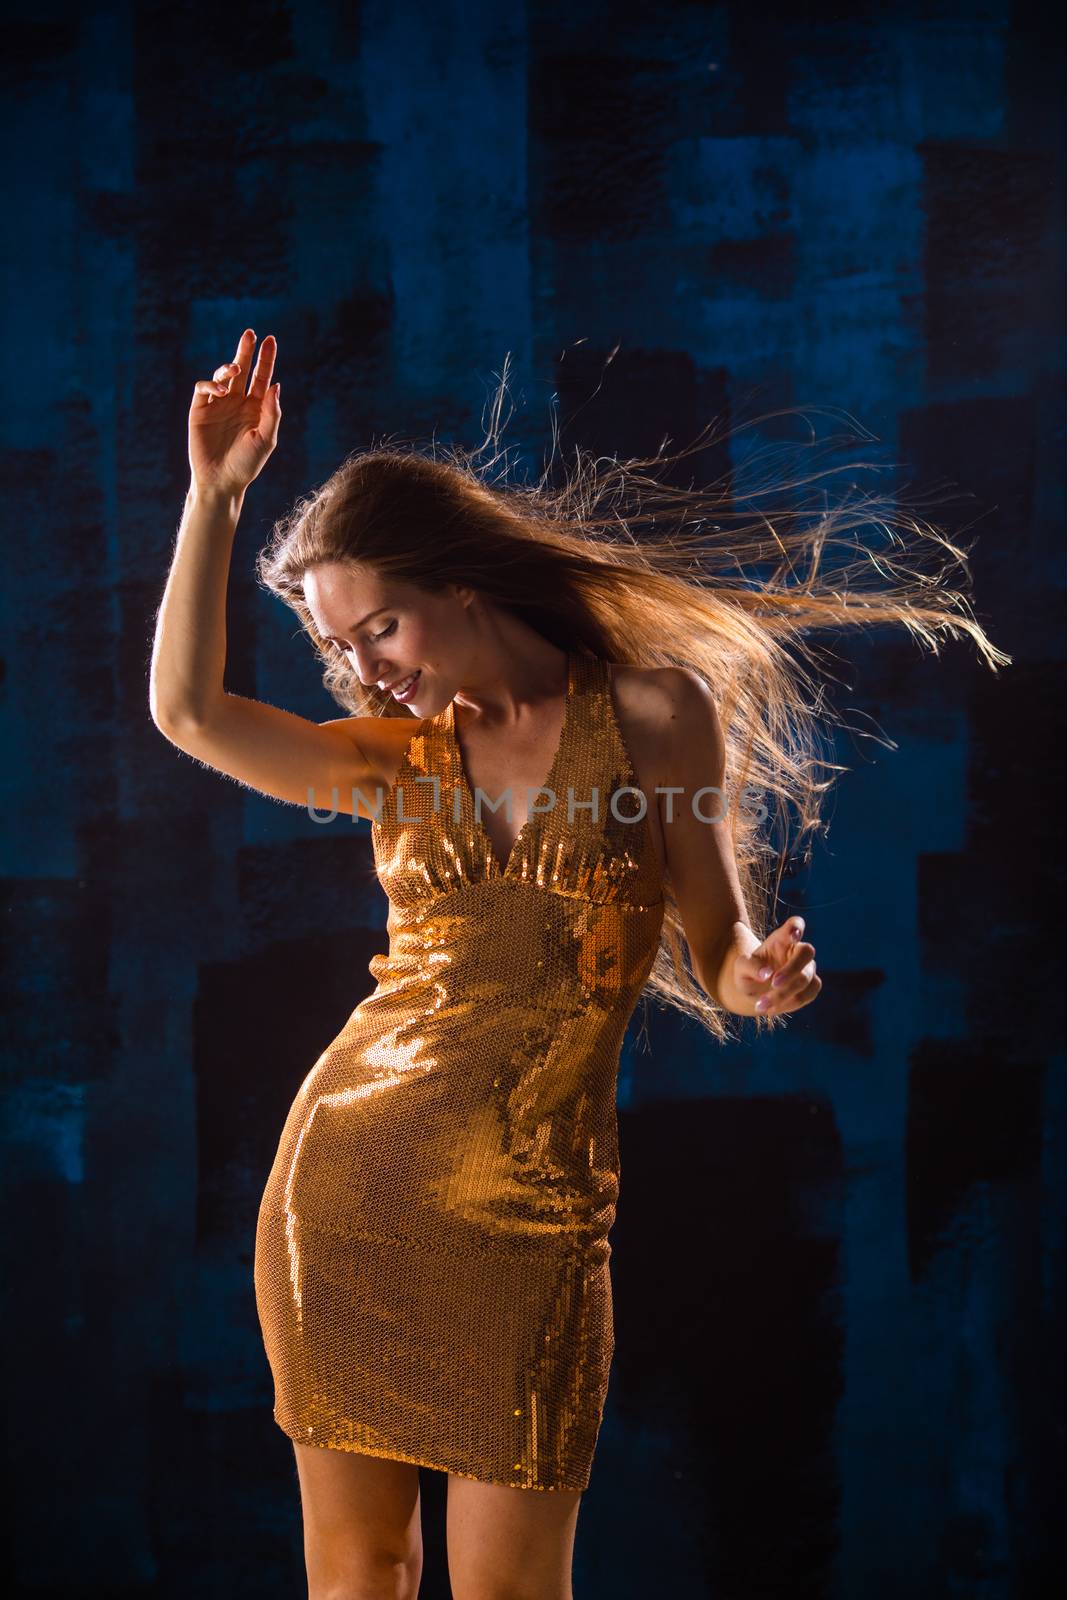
(232, 434)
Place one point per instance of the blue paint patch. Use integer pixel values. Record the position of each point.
(44, 1130)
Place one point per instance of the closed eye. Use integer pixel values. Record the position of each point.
(385, 632)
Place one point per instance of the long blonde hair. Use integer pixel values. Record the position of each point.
(613, 559)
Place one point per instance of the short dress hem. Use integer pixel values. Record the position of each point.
(433, 1466)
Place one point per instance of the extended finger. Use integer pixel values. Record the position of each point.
(264, 366)
(230, 371)
(245, 345)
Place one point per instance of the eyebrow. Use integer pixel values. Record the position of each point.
(357, 625)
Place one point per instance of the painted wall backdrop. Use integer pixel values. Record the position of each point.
(838, 1262)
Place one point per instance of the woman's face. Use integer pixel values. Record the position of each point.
(389, 629)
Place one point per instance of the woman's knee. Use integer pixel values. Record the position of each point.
(362, 1525)
(364, 1575)
(359, 1569)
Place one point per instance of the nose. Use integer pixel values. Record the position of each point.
(369, 670)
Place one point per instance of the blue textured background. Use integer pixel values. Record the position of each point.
(838, 1260)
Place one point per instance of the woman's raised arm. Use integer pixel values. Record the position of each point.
(231, 437)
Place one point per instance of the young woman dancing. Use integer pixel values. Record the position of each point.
(431, 1268)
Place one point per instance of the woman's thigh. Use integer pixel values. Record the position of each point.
(362, 1520)
(513, 1542)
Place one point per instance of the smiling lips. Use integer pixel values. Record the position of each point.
(402, 685)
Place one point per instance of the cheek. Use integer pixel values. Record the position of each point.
(420, 641)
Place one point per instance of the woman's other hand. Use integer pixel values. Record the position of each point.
(232, 434)
(780, 974)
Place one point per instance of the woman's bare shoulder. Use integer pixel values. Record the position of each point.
(645, 707)
(657, 695)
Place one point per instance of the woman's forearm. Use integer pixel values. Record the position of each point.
(189, 653)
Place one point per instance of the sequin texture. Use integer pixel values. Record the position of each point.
(431, 1268)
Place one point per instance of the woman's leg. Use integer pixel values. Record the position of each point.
(362, 1525)
(510, 1544)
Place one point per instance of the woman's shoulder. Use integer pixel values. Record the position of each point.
(662, 711)
(658, 694)
(650, 704)
(659, 706)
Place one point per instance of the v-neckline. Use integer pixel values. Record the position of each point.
(450, 722)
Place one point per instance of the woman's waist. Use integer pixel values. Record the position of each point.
(561, 961)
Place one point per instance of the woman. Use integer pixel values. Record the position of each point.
(432, 1247)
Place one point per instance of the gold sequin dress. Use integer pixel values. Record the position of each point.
(431, 1267)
